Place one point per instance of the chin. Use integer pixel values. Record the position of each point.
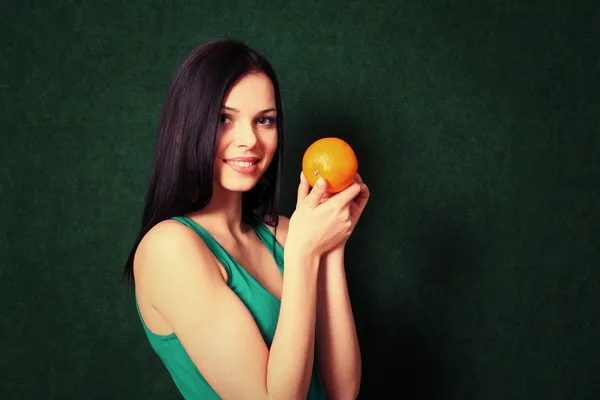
(233, 186)
(233, 182)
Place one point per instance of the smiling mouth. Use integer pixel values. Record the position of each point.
(241, 163)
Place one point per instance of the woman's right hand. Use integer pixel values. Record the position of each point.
(318, 228)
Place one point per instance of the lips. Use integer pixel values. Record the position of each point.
(245, 159)
(243, 165)
(242, 161)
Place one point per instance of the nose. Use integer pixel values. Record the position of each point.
(245, 136)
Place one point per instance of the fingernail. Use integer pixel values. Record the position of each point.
(321, 183)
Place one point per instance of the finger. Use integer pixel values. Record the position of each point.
(325, 197)
(357, 206)
(363, 197)
(316, 193)
(345, 196)
(303, 189)
(359, 178)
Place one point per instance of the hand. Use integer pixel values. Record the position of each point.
(318, 227)
(357, 206)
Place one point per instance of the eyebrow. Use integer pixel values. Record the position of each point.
(260, 112)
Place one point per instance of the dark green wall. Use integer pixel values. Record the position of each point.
(475, 271)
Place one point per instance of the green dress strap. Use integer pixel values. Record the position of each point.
(267, 237)
(214, 246)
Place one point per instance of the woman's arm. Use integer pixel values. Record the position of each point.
(337, 347)
(183, 280)
(293, 348)
(338, 351)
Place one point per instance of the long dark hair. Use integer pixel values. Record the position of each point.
(182, 167)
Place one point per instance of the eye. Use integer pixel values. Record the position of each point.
(224, 118)
(266, 121)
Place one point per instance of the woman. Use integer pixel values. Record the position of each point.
(207, 266)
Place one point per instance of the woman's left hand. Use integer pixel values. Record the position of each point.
(357, 205)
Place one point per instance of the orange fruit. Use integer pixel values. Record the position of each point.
(332, 159)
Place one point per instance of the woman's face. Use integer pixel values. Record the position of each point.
(247, 137)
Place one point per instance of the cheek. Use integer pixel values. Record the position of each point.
(219, 147)
(271, 144)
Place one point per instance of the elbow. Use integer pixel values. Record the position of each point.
(344, 384)
(353, 387)
(354, 390)
(349, 391)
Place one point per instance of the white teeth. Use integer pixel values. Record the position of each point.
(241, 163)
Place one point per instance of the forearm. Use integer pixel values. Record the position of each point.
(292, 351)
(338, 351)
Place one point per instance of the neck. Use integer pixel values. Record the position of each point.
(224, 212)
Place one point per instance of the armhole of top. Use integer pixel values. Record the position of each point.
(210, 242)
(269, 239)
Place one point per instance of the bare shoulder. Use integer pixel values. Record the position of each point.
(171, 243)
(282, 229)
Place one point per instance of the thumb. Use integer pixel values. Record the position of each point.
(314, 197)
(303, 189)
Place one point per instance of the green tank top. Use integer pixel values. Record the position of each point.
(263, 306)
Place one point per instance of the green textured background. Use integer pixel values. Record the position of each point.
(475, 272)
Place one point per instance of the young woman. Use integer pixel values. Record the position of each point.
(215, 301)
